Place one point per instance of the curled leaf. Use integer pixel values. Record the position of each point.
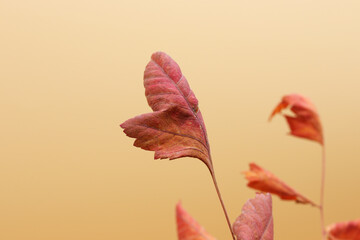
(306, 122)
(176, 128)
(188, 228)
(263, 180)
(256, 220)
(344, 230)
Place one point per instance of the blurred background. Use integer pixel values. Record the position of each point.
(71, 72)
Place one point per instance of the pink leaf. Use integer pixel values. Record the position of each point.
(344, 230)
(188, 228)
(176, 128)
(255, 221)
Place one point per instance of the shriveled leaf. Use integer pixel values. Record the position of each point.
(306, 122)
(188, 228)
(344, 230)
(256, 220)
(176, 128)
(263, 180)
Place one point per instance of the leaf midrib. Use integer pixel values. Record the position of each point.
(195, 115)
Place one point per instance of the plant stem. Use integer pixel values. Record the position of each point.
(222, 203)
(322, 187)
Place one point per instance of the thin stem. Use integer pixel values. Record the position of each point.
(322, 187)
(222, 203)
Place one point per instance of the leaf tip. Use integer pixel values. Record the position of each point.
(188, 228)
(277, 110)
(178, 207)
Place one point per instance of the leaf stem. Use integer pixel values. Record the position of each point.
(322, 187)
(308, 200)
(222, 203)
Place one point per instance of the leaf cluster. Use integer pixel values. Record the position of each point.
(176, 129)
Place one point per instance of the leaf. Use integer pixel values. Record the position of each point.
(263, 180)
(306, 122)
(255, 221)
(176, 128)
(344, 230)
(188, 228)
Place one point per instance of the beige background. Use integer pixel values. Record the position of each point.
(71, 72)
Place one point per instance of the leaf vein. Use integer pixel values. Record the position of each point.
(177, 134)
(194, 113)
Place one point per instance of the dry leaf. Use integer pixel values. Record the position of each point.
(188, 228)
(176, 128)
(306, 122)
(263, 180)
(255, 221)
(344, 230)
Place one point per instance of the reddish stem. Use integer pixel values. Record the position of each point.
(322, 188)
(222, 203)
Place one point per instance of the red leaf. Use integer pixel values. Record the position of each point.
(265, 181)
(255, 221)
(176, 128)
(344, 230)
(188, 228)
(306, 123)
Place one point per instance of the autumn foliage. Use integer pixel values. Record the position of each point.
(344, 230)
(256, 220)
(264, 181)
(254, 223)
(188, 228)
(176, 129)
(306, 122)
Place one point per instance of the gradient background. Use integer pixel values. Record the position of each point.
(71, 72)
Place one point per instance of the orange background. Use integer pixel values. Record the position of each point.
(71, 72)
